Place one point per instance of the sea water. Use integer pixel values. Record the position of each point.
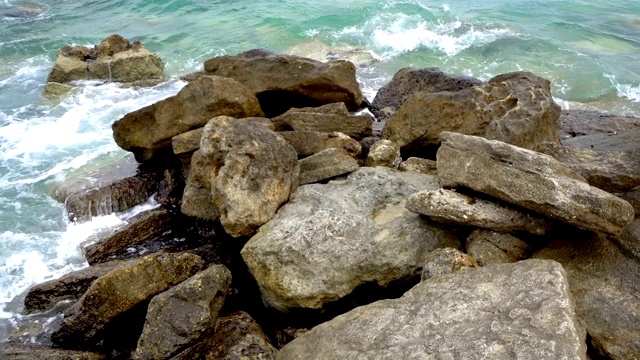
(589, 49)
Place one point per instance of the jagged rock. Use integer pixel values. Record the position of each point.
(586, 122)
(445, 261)
(330, 238)
(633, 197)
(179, 317)
(151, 128)
(454, 208)
(506, 311)
(516, 108)
(70, 286)
(530, 180)
(307, 143)
(408, 81)
(117, 292)
(152, 225)
(605, 283)
(384, 153)
(419, 165)
(43, 352)
(327, 118)
(490, 247)
(284, 81)
(325, 165)
(197, 200)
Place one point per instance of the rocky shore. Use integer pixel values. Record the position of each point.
(455, 219)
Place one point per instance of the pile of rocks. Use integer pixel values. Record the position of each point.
(492, 239)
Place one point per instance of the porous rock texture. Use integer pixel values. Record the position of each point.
(325, 165)
(445, 261)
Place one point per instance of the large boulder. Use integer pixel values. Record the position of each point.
(151, 128)
(384, 153)
(530, 180)
(408, 81)
(326, 118)
(284, 81)
(506, 311)
(516, 108)
(331, 238)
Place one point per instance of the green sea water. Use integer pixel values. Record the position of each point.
(589, 49)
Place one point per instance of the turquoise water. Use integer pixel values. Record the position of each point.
(589, 49)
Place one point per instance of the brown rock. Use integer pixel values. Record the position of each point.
(633, 197)
(190, 141)
(325, 165)
(197, 199)
(490, 247)
(307, 143)
(384, 153)
(419, 165)
(445, 261)
(43, 352)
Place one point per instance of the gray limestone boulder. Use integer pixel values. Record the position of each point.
(506, 311)
(490, 247)
(384, 153)
(530, 180)
(445, 261)
(331, 238)
(327, 118)
(326, 164)
(308, 143)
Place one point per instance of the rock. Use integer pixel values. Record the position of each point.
(43, 352)
(327, 118)
(331, 238)
(70, 286)
(516, 108)
(629, 240)
(419, 165)
(605, 284)
(237, 336)
(445, 261)
(384, 153)
(530, 180)
(506, 311)
(197, 199)
(317, 50)
(184, 314)
(325, 165)
(152, 225)
(151, 128)
(408, 81)
(454, 208)
(307, 143)
(490, 247)
(586, 122)
(633, 197)
(284, 81)
(56, 91)
(117, 292)
(20, 11)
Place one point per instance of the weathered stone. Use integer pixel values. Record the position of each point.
(633, 197)
(384, 153)
(181, 316)
(530, 180)
(445, 261)
(454, 208)
(54, 90)
(20, 11)
(586, 122)
(151, 128)
(284, 81)
(490, 247)
(629, 240)
(43, 352)
(70, 286)
(327, 118)
(190, 141)
(408, 81)
(118, 291)
(197, 199)
(419, 165)
(145, 227)
(318, 50)
(506, 311)
(325, 165)
(605, 284)
(516, 108)
(330, 238)
(308, 143)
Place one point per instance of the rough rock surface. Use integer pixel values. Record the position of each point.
(516, 108)
(420, 165)
(331, 238)
(118, 291)
(384, 153)
(197, 200)
(325, 165)
(629, 240)
(605, 283)
(507, 311)
(530, 180)
(586, 122)
(408, 81)
(284, 81)
(490, 247)
(182, 315)
(633, 197)
(326, 118)
(151, 128)
(445, 261)
(308, 143)
(42, 352)
(190, 141)
(455, 208)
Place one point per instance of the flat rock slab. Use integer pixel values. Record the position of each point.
(325, 165)
(308, 143)
(530, 180)
(327, 118)
(445, 261)
(587, 122)
(506, 311)
(490, 247)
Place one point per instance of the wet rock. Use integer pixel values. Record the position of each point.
(408, 81)
(530, 180)
(284, 81)
(455, 208)
(506, 311)
(516, 108)
(325, 165)
(307, 143)
(151, 128)
(327, 118)
(43, 352)
(629, 240)
(419, 165)
(181, 316)
(490, 247)
(445, 261)
(331, 238)
(20, 11)
(586, 122)
(384, 153)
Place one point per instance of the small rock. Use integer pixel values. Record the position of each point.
(43, 352)
(325, 165)
(419, 165)
(445, 261)
(384, 153)
(490, 247)
(308, 143)
(327, 118)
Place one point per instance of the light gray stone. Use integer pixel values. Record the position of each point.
(420, 165)
(490, 247)
(308, 143)
(325, 165)
(445, 261)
